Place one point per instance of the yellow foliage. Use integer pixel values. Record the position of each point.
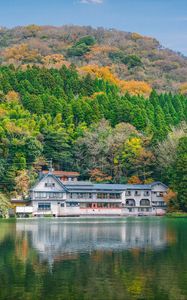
(135, 144)
(3, 112)
(100, 72)
(148, 181)
(12, 128)
(136, 88)
(136, 286)
(97, 94)
(132, 87)
(136, 36)
(22, 182)
(134, 180)
(33, 27)
(183, 88)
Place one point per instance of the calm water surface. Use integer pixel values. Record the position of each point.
(122, 258)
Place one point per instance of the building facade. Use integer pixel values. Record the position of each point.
(52, 196)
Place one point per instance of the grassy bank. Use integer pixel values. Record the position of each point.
(177, 214)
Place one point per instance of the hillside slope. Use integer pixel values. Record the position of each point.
(129, 55)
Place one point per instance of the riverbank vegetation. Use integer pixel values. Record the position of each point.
(177, 214)
(4, 206)
(89, 124)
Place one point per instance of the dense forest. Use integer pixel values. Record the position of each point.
(92, 125)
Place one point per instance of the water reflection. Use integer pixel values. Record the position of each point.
(53, 239)
(113, 259)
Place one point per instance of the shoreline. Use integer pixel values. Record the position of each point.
(176, 214)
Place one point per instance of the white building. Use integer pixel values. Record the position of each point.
(51, 196)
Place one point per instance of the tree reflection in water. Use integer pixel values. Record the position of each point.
(94, 259)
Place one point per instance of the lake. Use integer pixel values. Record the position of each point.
(107, 258)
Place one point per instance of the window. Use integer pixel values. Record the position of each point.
(44, 206)
(146, 193)
(141, 209)
(115, 196)
(128, 193)
(83, 195)
(137, 193)
(102, 196)
(145, 202)
(131, 209)
(51, 195)
(80, 195)
(43, 195)
(62, 204)
(130, 202)
(40, 195)
(72, 204)
(148, 209)
(49, 184)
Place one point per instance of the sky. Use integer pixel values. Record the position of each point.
(166, 20)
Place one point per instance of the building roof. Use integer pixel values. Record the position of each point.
(63, 173)
(55, 178)
(88, 186)
(15, 200)
(112, 187)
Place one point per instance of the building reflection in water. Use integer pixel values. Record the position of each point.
(60, 238)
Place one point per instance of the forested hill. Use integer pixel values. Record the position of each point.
(90, 100)
(129, 56)
(87, 124)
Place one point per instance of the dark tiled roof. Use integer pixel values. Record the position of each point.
(88, 186)
(76, 187)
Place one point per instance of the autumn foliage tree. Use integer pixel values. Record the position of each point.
(21, 54)
(132, 87)
(98, 176)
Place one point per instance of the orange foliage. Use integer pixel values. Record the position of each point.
(97, 50)
(55, 61)
(20, 53)
(104, 48)
(98, 176)
(132, 87)
(136, 87)
(134, 180)
(12, 96)
(170, 195)
(183, 88)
